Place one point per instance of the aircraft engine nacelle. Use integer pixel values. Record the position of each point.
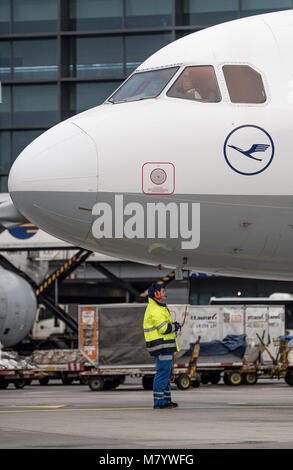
(18, 307)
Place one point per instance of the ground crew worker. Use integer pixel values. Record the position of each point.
(160, 337)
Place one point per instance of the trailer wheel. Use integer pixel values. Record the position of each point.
(44, 381)
(183, 382)
(19, 383)
(250, 379)
(234, 378)
(148, 382)
(215, 378)
(289, 378)
(3, 384)
(96, 383)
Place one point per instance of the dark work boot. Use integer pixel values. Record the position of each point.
(165, 405)
(173, 405)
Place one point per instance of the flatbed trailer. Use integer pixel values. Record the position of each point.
(240, 372)
(107, 378)
(67, 373)
(19, 377)
(233, 373)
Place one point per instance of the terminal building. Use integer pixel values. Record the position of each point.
(61, 57)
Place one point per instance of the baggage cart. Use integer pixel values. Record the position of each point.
(63, 364)
(18, 377)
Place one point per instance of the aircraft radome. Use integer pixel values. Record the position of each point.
(187, 164)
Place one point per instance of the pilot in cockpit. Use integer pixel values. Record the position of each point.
(187, 87)
(197, 83)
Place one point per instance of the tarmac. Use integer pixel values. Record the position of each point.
(219, 416)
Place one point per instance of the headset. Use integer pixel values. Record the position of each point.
(154, 290)
(157, 294)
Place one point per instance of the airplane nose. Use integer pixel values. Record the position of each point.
(54, 181)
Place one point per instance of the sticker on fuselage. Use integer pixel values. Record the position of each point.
(158, 178)
(249, 150)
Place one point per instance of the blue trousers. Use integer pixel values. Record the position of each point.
(162, 387)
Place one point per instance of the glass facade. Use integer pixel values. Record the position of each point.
(4, 16)
(5, 149)
(142, 14)
(34, 60)
(198, 12)
(92, 15)
(254, 7)
(5, 65)
(60, 57)
(95, 57)
(5, 108)
(34, 16)
(35, 105)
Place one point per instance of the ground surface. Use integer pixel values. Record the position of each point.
(210, 417)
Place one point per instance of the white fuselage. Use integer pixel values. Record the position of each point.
(242, 201)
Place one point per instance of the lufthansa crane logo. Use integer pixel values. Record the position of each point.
(23, 232)
(249, 150)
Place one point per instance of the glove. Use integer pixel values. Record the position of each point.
(177, 326)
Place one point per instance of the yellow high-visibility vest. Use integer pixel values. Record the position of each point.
(159, 331)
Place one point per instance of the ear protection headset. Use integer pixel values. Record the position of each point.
(155, 290)
(157, 294)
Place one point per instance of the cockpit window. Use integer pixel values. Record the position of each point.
(143, 85)
(197, 83)
(244, 84)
